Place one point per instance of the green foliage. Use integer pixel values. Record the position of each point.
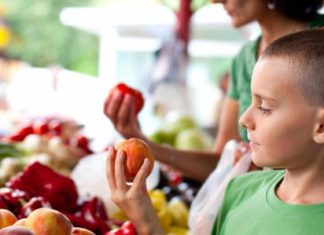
(40, 39)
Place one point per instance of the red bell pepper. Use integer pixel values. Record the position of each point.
(127, 228)
(33, 204)
(40, 180)
(91, 215)
(13, 199)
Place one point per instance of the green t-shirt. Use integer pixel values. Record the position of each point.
(251, 207)
(241, 72)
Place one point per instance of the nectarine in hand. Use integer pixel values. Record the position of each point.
(136, 151)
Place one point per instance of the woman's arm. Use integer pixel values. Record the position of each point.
(197, 164)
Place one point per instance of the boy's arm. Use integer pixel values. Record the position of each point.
(133, 200)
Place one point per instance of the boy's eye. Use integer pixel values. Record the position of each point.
(264, 110)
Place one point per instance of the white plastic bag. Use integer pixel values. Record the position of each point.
(205, 206)
(89, 176)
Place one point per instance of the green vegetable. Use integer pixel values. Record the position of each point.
(10, 150)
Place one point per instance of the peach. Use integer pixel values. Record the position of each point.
(21, 222)
(136, 152)
(47, 221)
(7, 218)
(80, 231)
(15, 230)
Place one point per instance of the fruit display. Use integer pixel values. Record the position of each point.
(37, 159)
(54, 141)
(39, 186)
(40, 221)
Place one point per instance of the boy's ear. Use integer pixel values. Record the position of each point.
(319, 127)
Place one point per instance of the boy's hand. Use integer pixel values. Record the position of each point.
(132, 199)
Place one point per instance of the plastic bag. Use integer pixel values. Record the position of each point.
(89, 176)
(204, 207)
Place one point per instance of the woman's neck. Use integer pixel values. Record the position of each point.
(275, 26)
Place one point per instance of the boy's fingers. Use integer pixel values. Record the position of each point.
(120, 171)
(142, 174)
(110, 171)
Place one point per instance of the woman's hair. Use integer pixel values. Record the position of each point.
(300, 10)
(305, 52)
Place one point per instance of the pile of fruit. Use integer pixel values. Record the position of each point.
(53, 141)
(39, 186)
(40, 221)
(182, 132)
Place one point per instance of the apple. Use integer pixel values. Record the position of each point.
(136, 151)
(177, 123)
(192, 139)
(47, 221)
(135, 94)
(163, 137)
(7, 218)
(21, 222)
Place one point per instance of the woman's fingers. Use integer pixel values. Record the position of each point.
(110, 168)
(125, 111)
(112, 105)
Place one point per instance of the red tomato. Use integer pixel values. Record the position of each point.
(55, 126)
(138, 97)
(14, 138)
(40, 127)
(26, 130)
(81, 142)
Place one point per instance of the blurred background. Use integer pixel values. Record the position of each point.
(58, 61)
(63, 56)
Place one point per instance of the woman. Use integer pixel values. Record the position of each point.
(275, 18)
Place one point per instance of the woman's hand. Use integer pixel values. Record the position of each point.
(133, 199)
(120, 109)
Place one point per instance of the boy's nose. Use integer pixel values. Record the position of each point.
(246, 120)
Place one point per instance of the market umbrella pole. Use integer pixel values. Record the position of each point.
(183, 23)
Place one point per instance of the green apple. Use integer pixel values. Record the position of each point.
(193, 139)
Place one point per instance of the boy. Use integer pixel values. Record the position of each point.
(285, 124)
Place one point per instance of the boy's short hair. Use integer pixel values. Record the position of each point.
(305, 52)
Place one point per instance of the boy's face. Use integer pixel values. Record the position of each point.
(279, 122)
